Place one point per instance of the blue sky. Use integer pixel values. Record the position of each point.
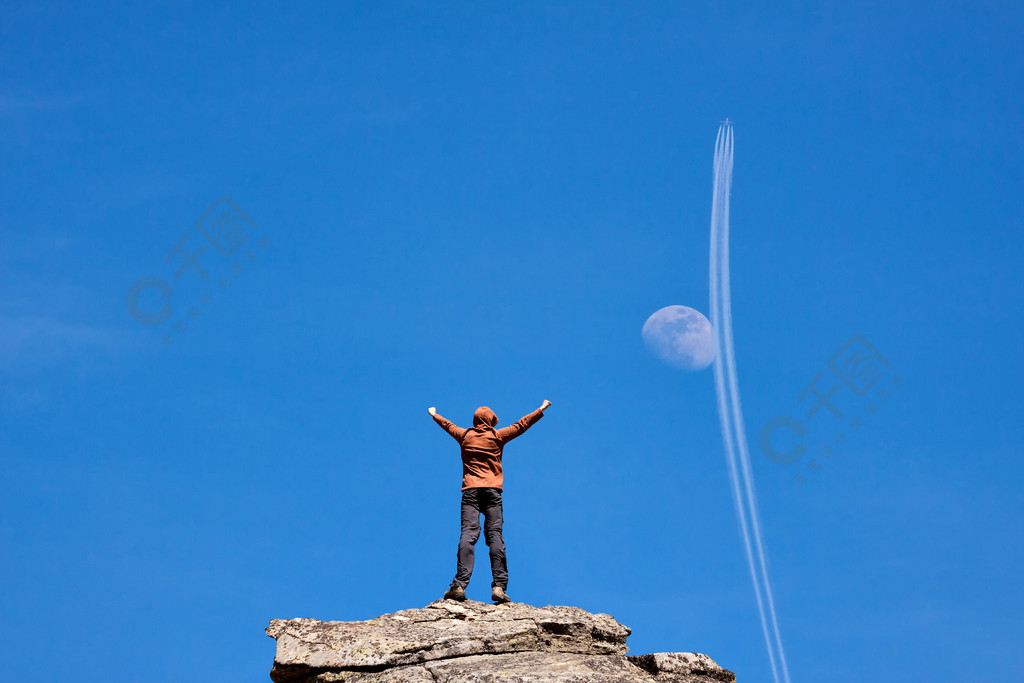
(481, 203)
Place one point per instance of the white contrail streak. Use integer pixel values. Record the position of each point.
(729, 412)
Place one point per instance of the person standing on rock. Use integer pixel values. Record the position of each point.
(482, 481)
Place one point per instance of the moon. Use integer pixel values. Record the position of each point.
(681, 337)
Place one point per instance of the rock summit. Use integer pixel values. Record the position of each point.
(459, 642)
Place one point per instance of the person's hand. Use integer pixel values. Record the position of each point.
(545, 405)
(432, 410)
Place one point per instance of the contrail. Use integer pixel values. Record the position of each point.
(729, 412)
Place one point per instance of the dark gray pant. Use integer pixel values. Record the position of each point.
(487, 501)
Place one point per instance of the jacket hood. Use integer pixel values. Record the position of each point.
(484, 416)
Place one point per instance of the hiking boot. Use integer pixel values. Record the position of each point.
(455, 593)
(498, 595)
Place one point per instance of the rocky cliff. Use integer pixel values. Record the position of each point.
(459, 642)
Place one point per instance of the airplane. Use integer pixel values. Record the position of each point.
(727, 121)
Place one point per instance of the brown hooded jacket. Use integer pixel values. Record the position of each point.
(482, 445)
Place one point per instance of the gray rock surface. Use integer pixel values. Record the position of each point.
(684, 666)
(474, 641)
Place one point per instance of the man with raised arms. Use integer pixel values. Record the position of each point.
(482, 481)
